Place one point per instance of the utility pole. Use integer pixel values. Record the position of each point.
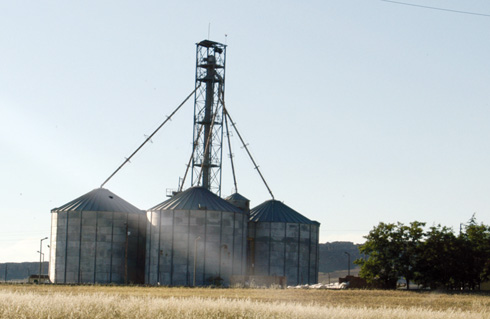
(42, 265)
(6, 270)
(40, 259)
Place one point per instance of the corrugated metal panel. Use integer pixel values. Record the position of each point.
(275, 211)
(197, 198)
(99, 200)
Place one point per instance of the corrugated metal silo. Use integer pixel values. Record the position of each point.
(97, 238)
(283, 243)
(198, 230)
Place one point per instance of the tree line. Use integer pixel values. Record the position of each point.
(436, 258)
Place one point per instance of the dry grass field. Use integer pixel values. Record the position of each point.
(50, 301)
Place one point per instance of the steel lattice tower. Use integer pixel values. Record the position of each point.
(208, 115)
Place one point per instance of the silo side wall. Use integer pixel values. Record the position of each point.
(292, 253)
(180, 248)
(227, 242)
(250, 249)
(314, 254)
(262, 248)
(196, 246)
(141, 250)
(88, 240)
(212, 246)
(132, 249)
(304, 254)
(152, 247)
(52, 245)
(60, 249)
(239, 244)
(90, 247)
(148, 246)
(136, 248)
(173, 247)
(281, 249)
(117, 258)
(244, 252)
(103, 250)
(277, 249)
(72, 270)
(165, 256)
(57, 240)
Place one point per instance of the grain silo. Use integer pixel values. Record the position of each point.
(195, 238)
(283, 243)
(97, 238)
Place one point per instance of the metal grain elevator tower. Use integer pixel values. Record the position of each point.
(208, 115)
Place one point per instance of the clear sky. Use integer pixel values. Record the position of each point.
(357, 111)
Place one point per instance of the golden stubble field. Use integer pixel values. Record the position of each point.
(54, 301)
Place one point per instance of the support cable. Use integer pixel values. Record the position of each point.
(231, 154)
(149, 137)
(246, 148)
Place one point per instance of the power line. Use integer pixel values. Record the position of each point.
(437, 8)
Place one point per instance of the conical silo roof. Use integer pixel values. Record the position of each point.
(239, 201)
(237, 197)
(99, 200)
(276, 211)
(197, 198)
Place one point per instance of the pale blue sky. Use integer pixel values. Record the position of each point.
(356, 111)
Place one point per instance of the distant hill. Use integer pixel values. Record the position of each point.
(20, 271)
(334, 258)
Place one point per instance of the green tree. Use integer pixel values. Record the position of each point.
(436, 258)
(391, 251)
(437, 263)
(409, 243)
(477, 249)
(377, 266)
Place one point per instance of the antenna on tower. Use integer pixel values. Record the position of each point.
(209, 30)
